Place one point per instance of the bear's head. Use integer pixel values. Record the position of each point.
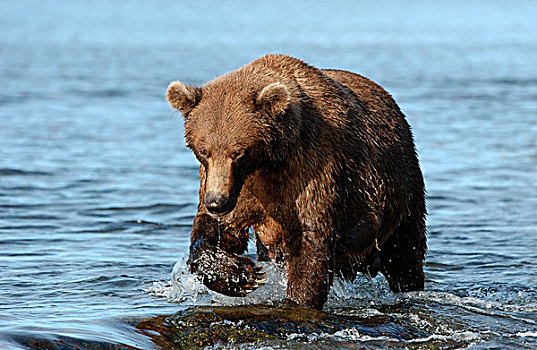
(235, 125)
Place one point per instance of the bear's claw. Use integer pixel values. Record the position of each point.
(226, 273)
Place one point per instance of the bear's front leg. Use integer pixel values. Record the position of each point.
(309, 269)
(214, 250)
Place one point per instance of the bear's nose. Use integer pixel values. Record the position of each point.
(216, 203)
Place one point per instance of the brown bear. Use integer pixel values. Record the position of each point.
(320, 164)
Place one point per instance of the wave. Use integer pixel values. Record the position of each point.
(20, 172)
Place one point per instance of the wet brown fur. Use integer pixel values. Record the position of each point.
(326, 175)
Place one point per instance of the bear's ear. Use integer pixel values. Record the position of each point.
(183, 97)
(273, 98)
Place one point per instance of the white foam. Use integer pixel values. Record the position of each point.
(471, 303)
(353, 334)
(527, 334)
(454, 336)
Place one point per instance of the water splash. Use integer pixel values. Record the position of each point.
(186, 288)
(219, 233)
(363, 291)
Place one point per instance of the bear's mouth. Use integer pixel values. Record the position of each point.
(218, 215)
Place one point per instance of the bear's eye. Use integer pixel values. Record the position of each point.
(203, 152)
(237, 154)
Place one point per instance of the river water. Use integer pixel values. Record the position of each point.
(98, 192)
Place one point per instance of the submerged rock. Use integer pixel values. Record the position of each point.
(203, 327)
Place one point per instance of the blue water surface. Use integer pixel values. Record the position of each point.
(98, 191)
